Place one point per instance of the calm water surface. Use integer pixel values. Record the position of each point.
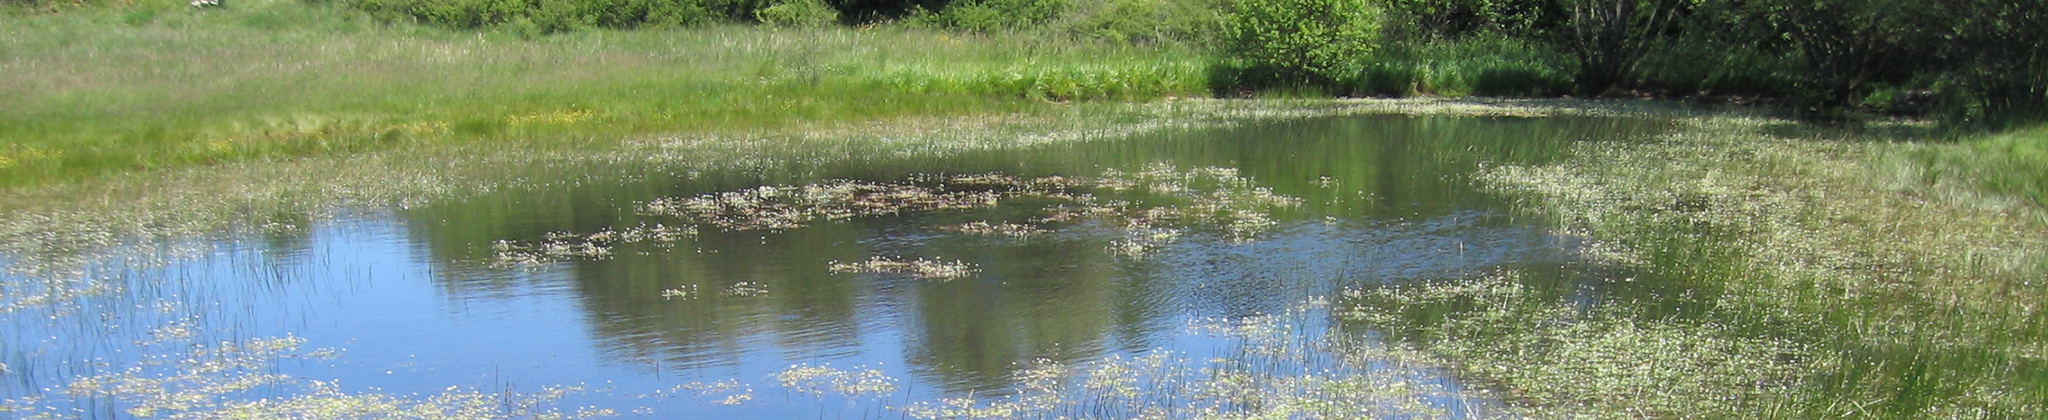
(415, 300)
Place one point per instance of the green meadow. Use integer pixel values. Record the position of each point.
(158, 86)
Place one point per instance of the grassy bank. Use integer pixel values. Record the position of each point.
(1998, 169)
(1754, 268)
(154, 85)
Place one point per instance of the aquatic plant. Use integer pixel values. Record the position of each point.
(64, 245)
(920, 268)
(687, 291)
(721, 392)
(558, 246)
(824, 379)
(789, 207)
(1563, 359)
(983, 227)
(1894, 298)
(213, 381)
(746, 289)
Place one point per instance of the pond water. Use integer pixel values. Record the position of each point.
(855, 287)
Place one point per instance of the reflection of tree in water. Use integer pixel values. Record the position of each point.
(1057, 295)
(805, 309)
(1055, 299)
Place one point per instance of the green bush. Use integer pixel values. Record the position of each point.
(992, 16)
(542, 16)
(798, 13)
(1193, 22)
(1313, 42)
(1438, 19)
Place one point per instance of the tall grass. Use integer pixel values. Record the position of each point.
(1866, 288)
(159, 85)
(2000, 168)
(1476, 66)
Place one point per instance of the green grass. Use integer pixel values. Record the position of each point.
(2004, 167)
(1825, 264)
(1477, 66)
(160, 85)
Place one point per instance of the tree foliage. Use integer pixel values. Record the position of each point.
(1309, 40)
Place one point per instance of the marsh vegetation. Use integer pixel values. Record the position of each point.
(1013, 209)
(1641, 260)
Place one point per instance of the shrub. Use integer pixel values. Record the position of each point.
(798, 13)
(992, 16)
(1145, 21)
(541, 16)
(1304, 41)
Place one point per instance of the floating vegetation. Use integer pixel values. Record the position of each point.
(823, 380)
(1139, 242)
(790, 207)
(724, 392)
(512, 254)
(1168, 202)
(983, 227)
(559, 246)
(213, 381)
(687, 291)
(1165, 203)
(920, 268)
(746, 289)
(1212, 196)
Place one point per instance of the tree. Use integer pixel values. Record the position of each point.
(1610, 37)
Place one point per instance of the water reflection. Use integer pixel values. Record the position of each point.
(419, 302)
(1059, 297)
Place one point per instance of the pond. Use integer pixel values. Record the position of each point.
(1172, 274)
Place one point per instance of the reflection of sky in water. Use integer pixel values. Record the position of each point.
(361, 287)
(405, 298)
